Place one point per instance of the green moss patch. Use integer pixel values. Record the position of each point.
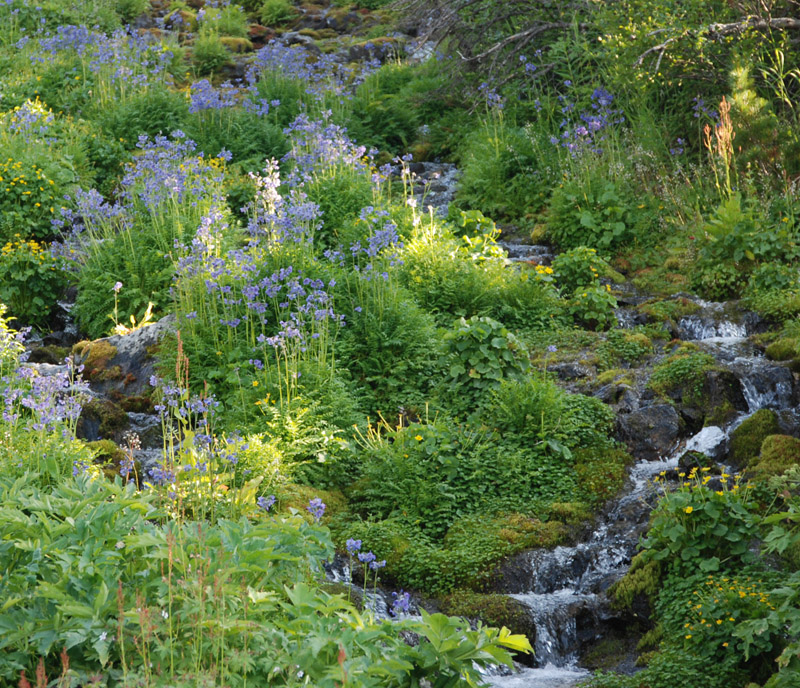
(746, 440)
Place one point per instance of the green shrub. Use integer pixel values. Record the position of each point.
(482, 352)
(209, 54)
(276, 12)
(593, 306)
(227, 20)
(156, 111)
(97, 610)
(130, 9)
(32, 279)
(597, 214)
(391, 351)
(579, 267)
(30, 196)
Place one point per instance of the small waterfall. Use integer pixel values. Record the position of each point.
(695, 327)
(555, 615)
(527, 253)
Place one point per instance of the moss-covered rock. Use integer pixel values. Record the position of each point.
(95, 358)
(639, 585)
(49, 354)
(491, 609)
(783, 349)
(570, 513)
(601, 474)
(101, 419)
(746, 440)
(669, 310)
(237, 44)
(298, 497)
(110, 457)
(778, 454)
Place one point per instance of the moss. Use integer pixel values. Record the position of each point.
(670, 310)
(746, 440)
(600, 473)
(642, 578)
(101, 418)
(782, 349)
(95, 357)
(49, 354)
(651, 639)
(605, 654)
(236, 44)
(492, 609)
(778, 454)
(295, 496)
(721, 414)
(612, 375)
(110, 457)
(682, 373)
(570, 513)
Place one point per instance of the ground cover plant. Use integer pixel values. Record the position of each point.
(345, 370)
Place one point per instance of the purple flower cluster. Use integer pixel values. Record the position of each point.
(316, 507)
(700, 109)
(319, 146)
(203, 96)
(265, 503)
(125, 59)
(493, 99)
(50, 401)
(323, 75)
(590, 130)
(168, 170)
(400, 604)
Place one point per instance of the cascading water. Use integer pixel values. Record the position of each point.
(564, 590)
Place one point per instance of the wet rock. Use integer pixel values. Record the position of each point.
(122, 364)
(722, 387)
(51, 354)
(343, 22)
(711, 442)
(101, 419)
(571, 371)
(650, 432)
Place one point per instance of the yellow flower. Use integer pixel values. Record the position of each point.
(688, 636)
(418, 438)
(255, 383)
(724, 644)
(689, 509)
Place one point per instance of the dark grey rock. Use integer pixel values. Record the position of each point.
(650, 432)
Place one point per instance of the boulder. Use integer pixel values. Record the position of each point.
(651, 432)
(122, 365)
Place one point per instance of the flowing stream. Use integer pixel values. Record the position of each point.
(564, 589)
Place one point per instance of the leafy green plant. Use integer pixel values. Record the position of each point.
(276, 12)
(30, 195)
(130, 9)
(595, 214)
(209, 54)
(482, 352)
(579, 267)
(697, 527)
(593, 306)
(31, 280)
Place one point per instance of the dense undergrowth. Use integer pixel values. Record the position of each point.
(349, 370)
